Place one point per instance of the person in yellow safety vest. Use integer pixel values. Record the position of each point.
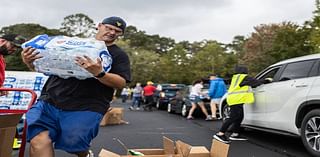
(239, 93)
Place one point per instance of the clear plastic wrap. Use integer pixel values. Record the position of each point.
(59, 52)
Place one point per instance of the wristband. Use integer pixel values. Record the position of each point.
(101, 74)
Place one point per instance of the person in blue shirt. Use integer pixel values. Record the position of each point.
(216, 91)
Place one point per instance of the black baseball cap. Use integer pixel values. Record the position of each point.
(115, 21)
(15, 39)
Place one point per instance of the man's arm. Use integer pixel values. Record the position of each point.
(113, 80)
(95, 68)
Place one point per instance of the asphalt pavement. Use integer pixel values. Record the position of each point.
(145, 130)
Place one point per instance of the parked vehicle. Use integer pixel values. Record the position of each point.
(167, 91)
(182, 106)
(289, 105)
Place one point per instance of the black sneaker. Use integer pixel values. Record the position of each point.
(237, 137)
(221, 138)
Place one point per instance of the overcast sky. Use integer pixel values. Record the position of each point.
(192, 20)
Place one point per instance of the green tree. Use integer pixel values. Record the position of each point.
(272, 43)
(139, 39)
(143, 63)
(291, 40)
(314, 27)
(210, 59)
(79, 25)
(173, 66)
(257, 46)
(236, 46)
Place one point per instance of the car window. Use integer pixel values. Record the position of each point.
(170, 92)
(297, 70)
(269, 73)
(315, 71)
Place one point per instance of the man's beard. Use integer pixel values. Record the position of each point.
(4, 51)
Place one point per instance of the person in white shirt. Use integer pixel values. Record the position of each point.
(194, 96)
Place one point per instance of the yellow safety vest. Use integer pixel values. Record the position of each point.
(237, 94)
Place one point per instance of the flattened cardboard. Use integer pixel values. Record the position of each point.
(106, 153)
(219, 149)
(113, 117)
(151, 151)
(168, 145)
(183, 148)
(8, 123)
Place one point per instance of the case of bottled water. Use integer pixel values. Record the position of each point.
(59, 53)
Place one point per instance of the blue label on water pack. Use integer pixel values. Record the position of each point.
(38, 42)
(106, 60)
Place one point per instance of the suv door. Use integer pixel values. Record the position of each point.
(287, 92)
(255, 114)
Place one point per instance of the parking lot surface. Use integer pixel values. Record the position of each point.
(145, 130)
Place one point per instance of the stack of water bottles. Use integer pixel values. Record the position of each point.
(59, 52)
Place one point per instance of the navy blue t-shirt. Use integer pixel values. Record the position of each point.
(89, 94)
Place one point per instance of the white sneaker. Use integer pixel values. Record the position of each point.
(209, 118)
(138, 108)
(190, 117)
(237, 137)
(90, 154)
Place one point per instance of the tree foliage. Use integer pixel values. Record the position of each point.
(272, 43)
(78, 25)
(162, 60)
(314, 27)
(139, 39)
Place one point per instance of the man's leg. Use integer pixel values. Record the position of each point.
(77, 142)
(41, 145)
(213, 107)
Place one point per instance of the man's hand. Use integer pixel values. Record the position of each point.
(93, 67)
(29, 55)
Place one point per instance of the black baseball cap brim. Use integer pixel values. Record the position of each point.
(15, 39)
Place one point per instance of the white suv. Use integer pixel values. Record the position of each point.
(288, 105)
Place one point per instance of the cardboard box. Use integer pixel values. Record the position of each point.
(219, 149)
(112, 117)
(181, 149)
(191, 151)
(167, 151)
(8, 124)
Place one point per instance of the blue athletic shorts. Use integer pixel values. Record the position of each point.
(71, 131)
